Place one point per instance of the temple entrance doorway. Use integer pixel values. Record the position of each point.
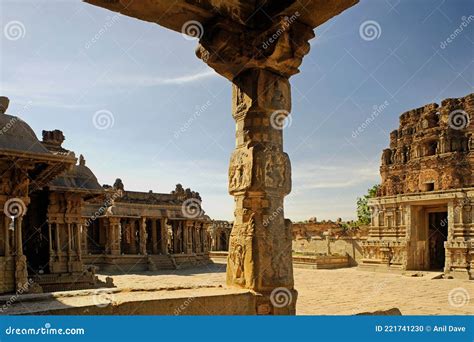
(429, 231)
(438, 234)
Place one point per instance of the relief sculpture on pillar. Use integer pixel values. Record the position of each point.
(239, 267)
(240, 169)
(277, 170)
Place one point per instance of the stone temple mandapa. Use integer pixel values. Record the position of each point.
(60, 224)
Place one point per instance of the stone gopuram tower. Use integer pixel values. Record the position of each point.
(422, 218)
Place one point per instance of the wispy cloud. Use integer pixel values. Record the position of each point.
(152, 81)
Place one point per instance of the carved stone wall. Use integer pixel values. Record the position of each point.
(432, 149)
(428, 169)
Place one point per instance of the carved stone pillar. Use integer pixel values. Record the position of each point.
(185, 235)
(21, 270)
(448, 263)
(176, 241)
(164, 236)
(114, 226)
(50, 236)
(7, 235)
(77, 230)
(154, 237)
(59, 251)
(143, 236)
(259, 66)
(133, 236)
(83, 228)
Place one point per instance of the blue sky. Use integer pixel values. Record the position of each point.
(172, 122)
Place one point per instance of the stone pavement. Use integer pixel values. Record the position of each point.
(337, 292)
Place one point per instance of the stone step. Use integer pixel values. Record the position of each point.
(161, 262)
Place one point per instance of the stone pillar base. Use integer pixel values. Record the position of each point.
(280, 301)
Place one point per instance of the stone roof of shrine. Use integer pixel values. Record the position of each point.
(17, 135)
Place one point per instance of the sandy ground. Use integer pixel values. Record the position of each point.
(337, 292)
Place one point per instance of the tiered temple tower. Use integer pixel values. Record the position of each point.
(422, 218)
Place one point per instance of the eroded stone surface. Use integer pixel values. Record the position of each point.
(422, 217)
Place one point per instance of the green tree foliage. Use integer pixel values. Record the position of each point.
(363, 211)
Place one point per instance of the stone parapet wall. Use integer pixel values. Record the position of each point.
(352, 247)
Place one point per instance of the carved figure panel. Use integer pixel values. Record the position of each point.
(240, 169)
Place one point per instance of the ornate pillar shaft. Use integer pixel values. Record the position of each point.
(7, 235)
(143, 236)
(84, 228)
(21, 269)
(185, 237)
(154, 238)
(259, 65)
(259, 179)
(133, 236)
(58, 241)
(78, 240)
(19, 238)
(164, 236)
(69, 238)
(50, 236)
(114, 226)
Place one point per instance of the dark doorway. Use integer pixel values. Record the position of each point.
(223, 242)
(35, 233)
(94, 245)
(438, 234)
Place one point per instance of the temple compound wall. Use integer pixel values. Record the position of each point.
(60, 225)
(422, 217)
(328, 238)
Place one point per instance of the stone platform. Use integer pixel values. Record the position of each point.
(321, 261)
(345, 291)
(145, 301)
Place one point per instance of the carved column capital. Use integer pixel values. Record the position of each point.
(230, 48)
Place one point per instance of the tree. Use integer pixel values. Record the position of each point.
(363, 211)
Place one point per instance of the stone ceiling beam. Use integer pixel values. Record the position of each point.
(251, 13)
